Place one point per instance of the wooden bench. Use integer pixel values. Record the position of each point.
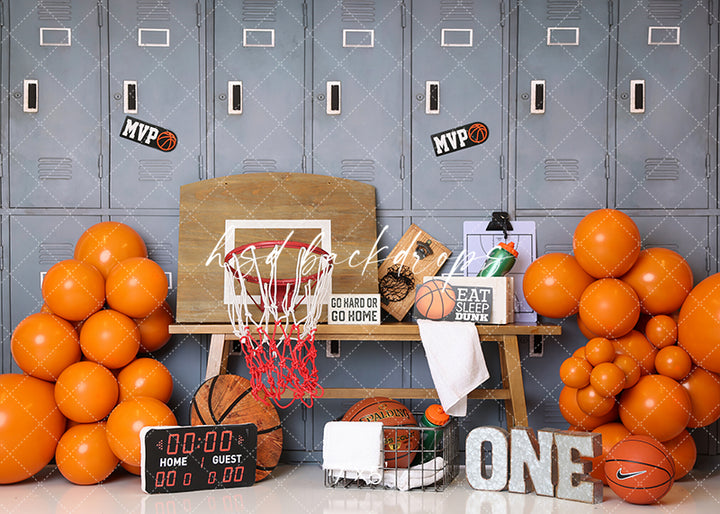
(512, 392)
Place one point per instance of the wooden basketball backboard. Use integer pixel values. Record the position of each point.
(219, 214)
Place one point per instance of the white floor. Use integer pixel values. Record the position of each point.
(299, 489)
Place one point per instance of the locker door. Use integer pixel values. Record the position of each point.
(457, 79)
(54, 113)
(358, 94)
(563, 51)
(662, 105)
(155, 78)
(259, 86)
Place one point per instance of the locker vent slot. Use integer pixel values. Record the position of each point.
(255, 165)
(662, 168)
(361, 11)
(562, 169)
(664, 9)
(456, 171)
(162, 253)
(55, 168)
(563, 10)
(259, 10)
(153, 10)
(155, 170)
(52, 253)
(362, 170)
(57, 10)
(457, 10)
(557, 247)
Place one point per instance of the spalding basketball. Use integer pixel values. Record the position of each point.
(639, 469)
(227, 400)
(435, 299)
(166, 141)
(400, 445)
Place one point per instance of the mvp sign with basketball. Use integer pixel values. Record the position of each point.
(148, 134)
(459, 138)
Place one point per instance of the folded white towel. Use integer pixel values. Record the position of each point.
(354, 449)
(417, 476)
(456, 361)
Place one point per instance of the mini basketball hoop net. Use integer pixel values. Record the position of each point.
(279, 342)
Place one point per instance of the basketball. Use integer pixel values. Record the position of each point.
(399, 444)
(478, 133)
(166, 141)
(435, 299)
(227, 400)
(639, 469)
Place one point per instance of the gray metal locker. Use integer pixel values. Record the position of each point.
(662, 109)
(562, 73)
(259, 86)
(358, 115)
(457, 79)
(55, 119)
(155, 78)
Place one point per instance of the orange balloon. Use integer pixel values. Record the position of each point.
(154, 331)
(145, 377)
(612, 433)
(585, 331)
(553, 284)
(86, 392)
(657, 406)
(43, 345)
(673, 362)
(609, 308)
(684, 453)
(704, 389)
(575, 416)
(579, 353)
(136, 287)
(575, 372)
(661, 331)
(607, 379)
(630, 368)
(606, 243)
(83, 454)
(128, 419)
(639, 348)
(73, 290)
(30, 426)
(135, 470)
(108, 243)
(591, 402)
(699, 324)
(598, 350)
(110, 338)
(662, 280)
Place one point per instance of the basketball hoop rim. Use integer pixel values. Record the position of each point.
(270, 244)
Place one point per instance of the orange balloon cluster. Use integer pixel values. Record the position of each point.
(641, 372)
(80, 362)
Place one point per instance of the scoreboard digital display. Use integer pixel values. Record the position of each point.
(193, 458)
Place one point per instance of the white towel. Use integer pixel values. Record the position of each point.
(354, 449)
(420, 475)
(456, 361)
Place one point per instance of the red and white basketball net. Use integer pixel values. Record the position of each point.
(279, 345)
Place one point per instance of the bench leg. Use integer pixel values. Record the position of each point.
(515, 408)
(217, 355)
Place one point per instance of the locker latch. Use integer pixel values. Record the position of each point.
(130, 105)
(235, 97)
(30, 95)
(333, 93)
(637, 96)
(537, 97)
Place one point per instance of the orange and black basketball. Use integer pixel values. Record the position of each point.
(435, 299)
(400, 445)
(227, 400)
(639, 469)
(166, 141)
(478, 133)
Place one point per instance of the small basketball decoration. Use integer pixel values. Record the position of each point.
(166, 141)
(435, 299)
(227, 400)
(399, 444)
(478, 133)
(639, 469)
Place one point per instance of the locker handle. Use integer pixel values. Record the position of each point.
(537, 97)
(334, 97)
(432, 97)
(235, 96)
(130, 105)
(637, 96)
(30, 95)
